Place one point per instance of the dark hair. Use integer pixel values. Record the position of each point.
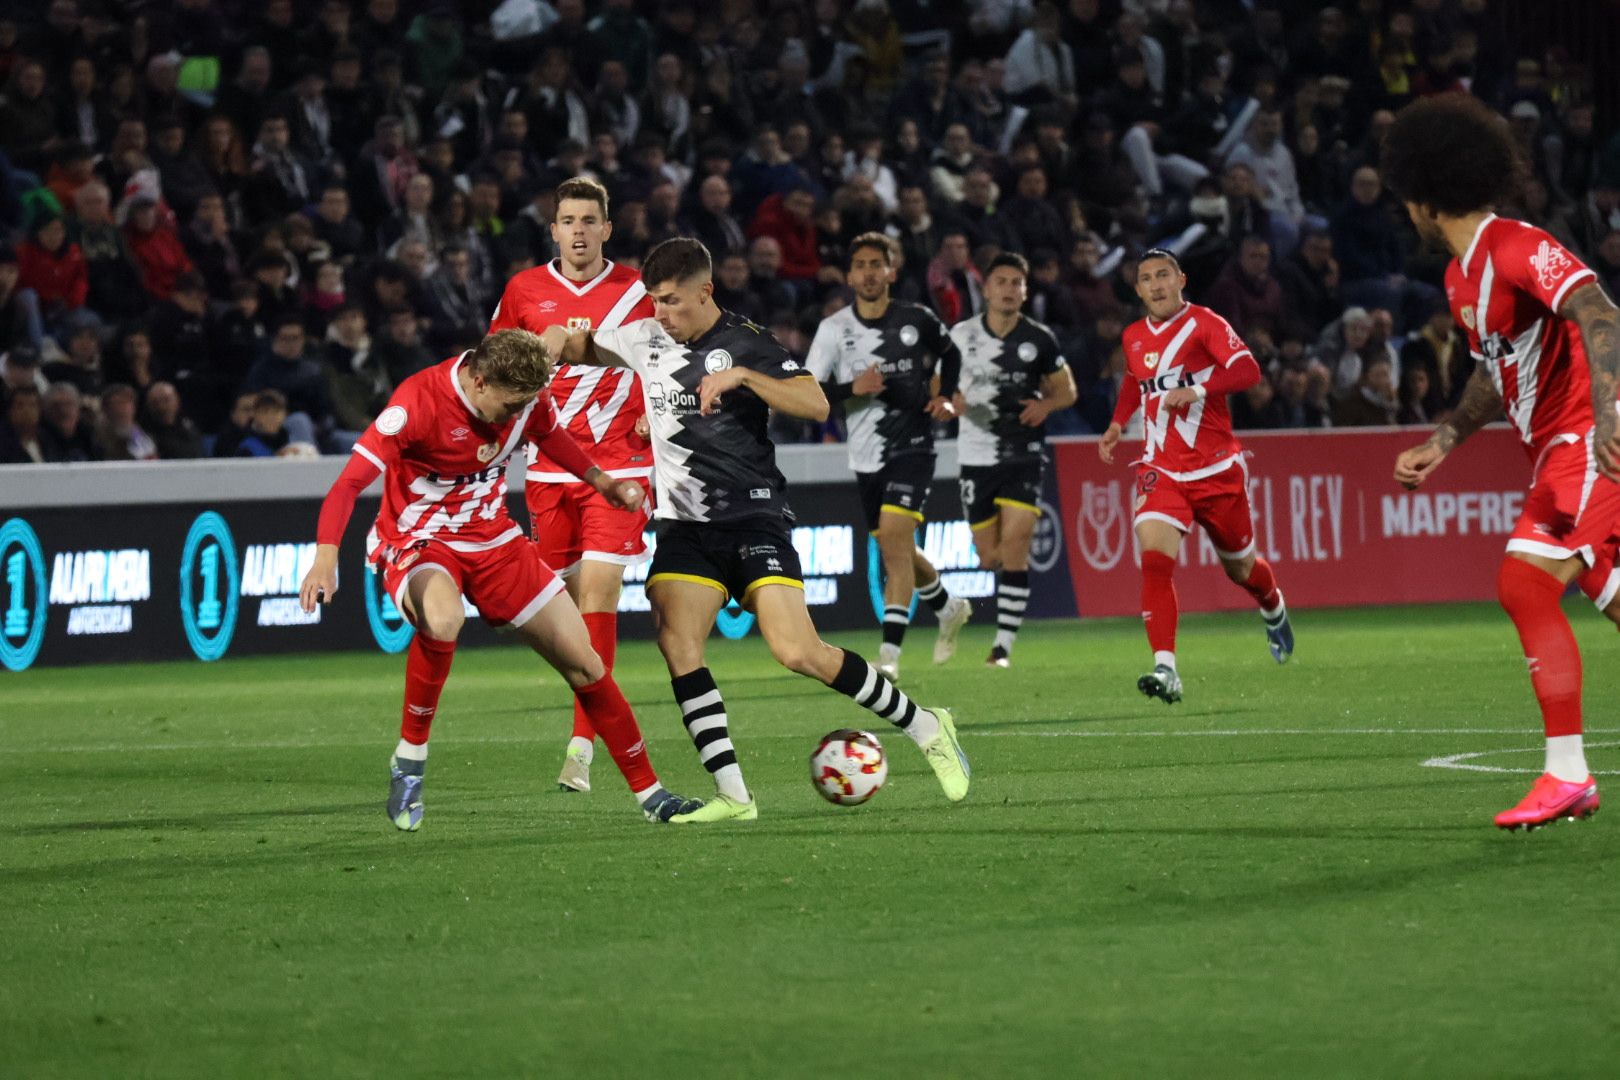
(583, 187)
(678, 259)
(1159, 253)
(875, 241)
(1012, 259)
(268, 399)
(1452, 154)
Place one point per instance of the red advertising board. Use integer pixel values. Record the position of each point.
(1328, 515)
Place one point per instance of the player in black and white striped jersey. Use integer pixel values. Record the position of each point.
(1013, 378)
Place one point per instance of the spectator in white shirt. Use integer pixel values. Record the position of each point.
(1040, 65)
(1265, 153)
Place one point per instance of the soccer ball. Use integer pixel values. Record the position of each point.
(848, 767)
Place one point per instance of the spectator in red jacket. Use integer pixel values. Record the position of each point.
(54, 268)
(1246, 294)
(789, 219)
(156, 247)
(955, 286)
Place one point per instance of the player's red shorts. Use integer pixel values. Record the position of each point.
(1571, 509)
(1219, 504)
(508, 584)
(571, 522)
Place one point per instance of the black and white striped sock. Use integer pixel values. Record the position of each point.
(704, 713)
(860, 680)
(934, 594)
(896, 618)
(1012, 597)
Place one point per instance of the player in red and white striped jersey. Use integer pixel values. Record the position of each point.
(1547, 342)
(442, 447)
(575, 529)
(1180, 364)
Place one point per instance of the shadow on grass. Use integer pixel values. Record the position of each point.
(196, 821)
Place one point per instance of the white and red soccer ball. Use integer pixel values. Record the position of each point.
(848, 767)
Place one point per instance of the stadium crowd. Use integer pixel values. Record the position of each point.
(232, 228)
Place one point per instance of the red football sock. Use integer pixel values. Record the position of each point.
(603, 626)
(612, 719)
(1159, 600)
(1262, 585)
(1531, 598)
(427, 666)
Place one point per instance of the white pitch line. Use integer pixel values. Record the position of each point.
(451, 742)
(1459, 761)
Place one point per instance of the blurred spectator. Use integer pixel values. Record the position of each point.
(66, 434)
(185, 178)
(1246, 294)
(54, 268)
(288, 368)
(1050, 300)
(337, 228)
(132, 362)
(111, 271)
(156, 248)
(280, 181)
(1302, 396)
(20, 436)
(955, 286)
(731, 286)
(400, 352)
(80, 365)
(1420, 400)
(1372, 401)
(212, 248)
(118, 436)
(1310, 285)
(238, 422)
(788, 219)
(712, 220)
(1040, 64)
(356, 379)
(457, 308)
(266, 433)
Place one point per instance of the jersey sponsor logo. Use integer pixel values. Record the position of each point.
(1550, 265)
(578, 323)
(759, 493)
(1027, 351)
(1101, 528)
(718, 360)
(674, 402)
(391, 421)
(1165, 381)
(908, 335)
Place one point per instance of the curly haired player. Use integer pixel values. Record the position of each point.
(1547, 342)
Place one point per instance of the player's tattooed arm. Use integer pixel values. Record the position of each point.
(1599, 321)
(1480, 405)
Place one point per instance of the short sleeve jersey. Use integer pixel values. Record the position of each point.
(598, 406)
(998, 376)
(444, 469)
(905, 344)
(715, 468)
(1505, 292)
(1184, 350)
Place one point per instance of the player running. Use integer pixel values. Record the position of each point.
(878, 358)
(1013, 378)
(442, 446)
(1181, 363)
(711, 379)
(1548, 344)
(577, 529)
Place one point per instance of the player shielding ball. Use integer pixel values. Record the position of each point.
(893, 367)
(1013, 378)
(711, 380)
(1547, 343)
(443, 532)
(1181, 363)
(577, 529)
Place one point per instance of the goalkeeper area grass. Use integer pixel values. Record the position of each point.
(1293, 872)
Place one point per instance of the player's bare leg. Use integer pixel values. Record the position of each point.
(594, 586)
(1531, 589)
(785, 624)
(1254, 576)
(897, 547)
(1161, 546)
(1014, 528)
(557, 633)
(432, 604)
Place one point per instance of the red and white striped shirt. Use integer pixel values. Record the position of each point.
(1505, 292)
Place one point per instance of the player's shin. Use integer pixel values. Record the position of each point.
(1262, 585)
(1159, 608)
(603, 628)
(703, 711)
(1530, 596)
(427, 666)
(1012, 597)
(610, 716)
(860, 680)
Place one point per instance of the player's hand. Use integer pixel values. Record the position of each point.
(1606, 443)
(624, 494)
(868, 382)
(1110, 439)
(1036, 410)
(1182, 397)
(643, 427)
(555, 339)
(321, 583)
(1414, 465)
(712, 386)
(941, 409)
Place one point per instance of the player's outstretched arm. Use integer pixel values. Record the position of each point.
(1599, 321)
(561, 447)
(320, 584)
(1057, 392)
(577, 347)
(800, 397)
(1480, 405)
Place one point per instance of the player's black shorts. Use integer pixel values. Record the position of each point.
(987, 488)
(736, 558)
(900, 487)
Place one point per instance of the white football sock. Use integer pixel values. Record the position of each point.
(1566, 758)
(406, 751)
(582, 748)
(1168, 659)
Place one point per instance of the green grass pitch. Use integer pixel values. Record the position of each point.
(197, 880)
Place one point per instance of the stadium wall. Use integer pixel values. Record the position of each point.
(137, 561)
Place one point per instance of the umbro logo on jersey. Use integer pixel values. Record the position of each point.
(548, 305)
(460, 433)
(1550, 265)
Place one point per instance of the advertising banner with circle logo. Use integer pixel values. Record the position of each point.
(209, 583)
(23, 597)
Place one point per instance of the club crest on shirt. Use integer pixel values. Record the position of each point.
(1467, 315)
(576, 323)
(908, 335)
(487, 452)
(1151, 360)
(717, 361)
(1550, 265)
(1026, 351)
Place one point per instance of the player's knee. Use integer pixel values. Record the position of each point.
(1239, 569)
(442, 625)
(681, 653)
(586, 670)
(799, 657)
